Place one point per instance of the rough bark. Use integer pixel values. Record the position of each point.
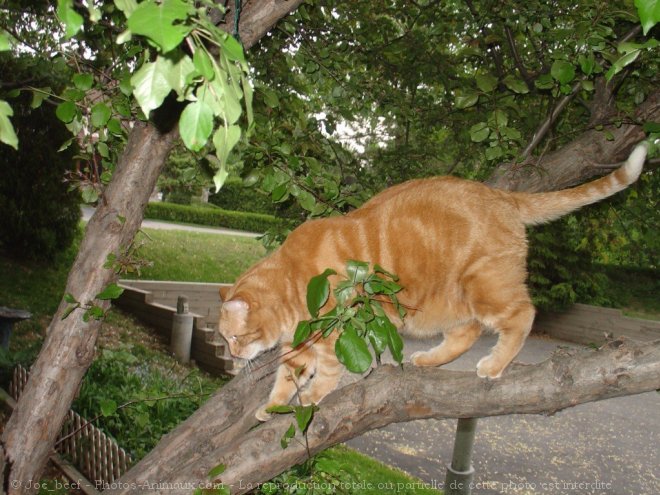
(591, 153)
(223, 430)
(69, 346)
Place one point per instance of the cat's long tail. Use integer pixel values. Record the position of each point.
(537, 208)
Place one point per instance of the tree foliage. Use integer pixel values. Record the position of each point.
(40, 212)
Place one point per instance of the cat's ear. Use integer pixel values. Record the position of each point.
(224, 291)
(238, 306)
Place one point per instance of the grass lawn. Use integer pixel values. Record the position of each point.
(196, 257)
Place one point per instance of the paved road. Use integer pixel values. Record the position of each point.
(611, 447)
(157, 224)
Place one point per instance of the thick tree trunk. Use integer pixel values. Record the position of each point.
(588, 155)
(69, 347)
(223, 430)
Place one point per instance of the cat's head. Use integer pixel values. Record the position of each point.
(245, 326)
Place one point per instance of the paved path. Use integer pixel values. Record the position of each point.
(157, 224)
(611, 447)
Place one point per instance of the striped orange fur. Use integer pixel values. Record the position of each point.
(459, 248)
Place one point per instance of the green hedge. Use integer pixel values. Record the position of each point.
(213, 217)
(234, 196)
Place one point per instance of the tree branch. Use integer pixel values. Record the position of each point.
(578, 160)
(516, 56)
(223, 430)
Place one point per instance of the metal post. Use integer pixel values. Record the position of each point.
(182, 327)
(460, 473)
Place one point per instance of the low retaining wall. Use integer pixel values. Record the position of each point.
(154, 303)
(584, 324)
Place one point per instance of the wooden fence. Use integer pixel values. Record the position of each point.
(95, 455)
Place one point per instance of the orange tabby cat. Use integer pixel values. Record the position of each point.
(459, 248)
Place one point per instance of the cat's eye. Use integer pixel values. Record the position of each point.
(233, 338)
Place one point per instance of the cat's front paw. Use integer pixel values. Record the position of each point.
(262, 414)
(488, 368)
(421, 358)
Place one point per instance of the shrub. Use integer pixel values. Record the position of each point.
(213, 217)
(561, 270)
(39, 213)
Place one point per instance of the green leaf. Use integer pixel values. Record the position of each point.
(304, 416)
(545, 81)
(318, 291)
(622, 62)
(467, 100)
(516, 85)
(203, 64)
(248, 94)
(378, 335)
(357, 271)
(196, 125)
(224, 140)
(280, 409)
(4, 41)
(103, 149)
(494, 153)
(114, 126)
(290, 433)
(352, 351)
(83, 81)
(380, 269)
(302, 333)
(95, 312)
(651, 127)
(486, 82)
(70, 309)
(178, 73)
(161, 22)
(7, 133)
(108, 407)
(587, 64)
(100, 114)
(126, 6)
(562, 71)
(125, 85)
(479, 132)
(112, 291)
(69, 298)
(233, 49)
(89, 194)
(649, 13)
(151, 85)
(270, 98)
(219, 178)
(395, 343)
(66, 111)
(217, 471)
(71, 19)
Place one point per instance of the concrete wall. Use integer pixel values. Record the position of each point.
(584, 324)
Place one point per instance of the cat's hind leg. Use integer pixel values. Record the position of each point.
(456, 342)
(513, 325)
